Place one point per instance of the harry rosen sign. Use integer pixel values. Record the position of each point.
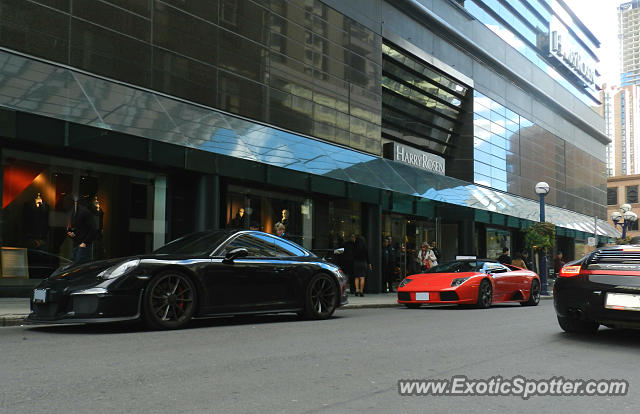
(424, 160)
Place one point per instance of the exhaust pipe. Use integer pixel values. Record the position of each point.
(576, 313)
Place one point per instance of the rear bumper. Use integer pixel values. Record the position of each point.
(583, 297)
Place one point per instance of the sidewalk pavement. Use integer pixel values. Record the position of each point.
(14, 310)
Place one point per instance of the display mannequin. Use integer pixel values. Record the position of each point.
(36, 221)
(97, 211)
(240, 220)
(285, 218)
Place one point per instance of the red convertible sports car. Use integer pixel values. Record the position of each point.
(470, 281)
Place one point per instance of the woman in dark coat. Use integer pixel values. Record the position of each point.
(360, 264)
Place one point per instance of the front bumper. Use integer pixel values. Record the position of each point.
(62, 307)
(583, 297)
(449, 296)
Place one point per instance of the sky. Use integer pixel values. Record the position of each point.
(600, 16)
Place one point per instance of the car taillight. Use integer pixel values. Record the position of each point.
(569, 271)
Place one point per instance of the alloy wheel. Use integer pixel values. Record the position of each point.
(321, 297)
(170, 301)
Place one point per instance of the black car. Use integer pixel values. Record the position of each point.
(203, 274)
(602, 288)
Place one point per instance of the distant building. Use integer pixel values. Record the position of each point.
(620, 109)
(629, 35)
(621, 190)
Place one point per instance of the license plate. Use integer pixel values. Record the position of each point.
(622, 301)
(422, 295)
(40, 295)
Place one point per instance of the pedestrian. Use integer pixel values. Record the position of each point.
(361, 264)
(436, 251)
(518, 261)
(347, 261)
(426, 257)
(402, 259)
(82, 229)
(558, 263)
(281, 230)
(505, 258)
(388, 263)
(527, 260)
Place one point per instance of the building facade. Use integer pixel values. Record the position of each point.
(422, 120)
(629, 35)
(624, 190)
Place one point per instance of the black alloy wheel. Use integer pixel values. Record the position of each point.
(534, 295)
(321, 297)
(484, 294)
(573, 325)
(169, 301)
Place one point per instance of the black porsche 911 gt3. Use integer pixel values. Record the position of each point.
(203, 274)
(602, 288)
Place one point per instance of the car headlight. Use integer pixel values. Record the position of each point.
(458, 281)
(119, 269)
(405, 282)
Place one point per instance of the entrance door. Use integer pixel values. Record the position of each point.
(407, 235)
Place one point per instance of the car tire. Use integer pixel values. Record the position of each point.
(321, 297)
(413, 305)
(573, 325)
(485, 292)
(534, 295)
(169, 301)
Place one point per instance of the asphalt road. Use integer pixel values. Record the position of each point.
(273, 364)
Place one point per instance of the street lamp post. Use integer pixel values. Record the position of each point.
(542, 189)
(627, 217)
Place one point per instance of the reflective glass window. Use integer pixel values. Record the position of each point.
(256, 245)
(612, 196)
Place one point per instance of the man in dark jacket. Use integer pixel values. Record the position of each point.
(389, 263)
(82, 230)
(505, 258)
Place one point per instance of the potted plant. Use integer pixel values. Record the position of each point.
(539, 237)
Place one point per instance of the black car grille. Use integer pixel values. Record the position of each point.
(615, 256)
(45, 309)
(404, 296)
(444, 296)
(85, 304)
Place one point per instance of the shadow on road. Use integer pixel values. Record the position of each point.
(137, 326)
(627, 338)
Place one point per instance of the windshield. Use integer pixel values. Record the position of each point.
(194, 243)
(457, 266)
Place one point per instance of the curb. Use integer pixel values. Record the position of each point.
(369, 305)
(395, 304)
(12, 320)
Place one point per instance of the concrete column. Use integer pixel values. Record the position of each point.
(207, 208)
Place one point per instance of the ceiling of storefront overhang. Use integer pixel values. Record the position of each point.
(45, 89)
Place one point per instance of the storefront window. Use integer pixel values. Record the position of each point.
(37, 197)
(407, 235)
(345, 218)
(261, 210)
(497, 240)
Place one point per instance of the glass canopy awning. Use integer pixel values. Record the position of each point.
(45, 89)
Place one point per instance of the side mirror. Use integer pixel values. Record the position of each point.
(234, 254)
